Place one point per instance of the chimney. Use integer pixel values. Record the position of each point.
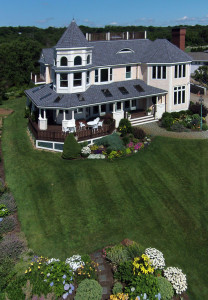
(178, 37)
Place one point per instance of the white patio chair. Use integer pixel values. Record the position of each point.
(81, 125)
(97, 120)
(95, 127)
(100, 124)
(65, 129)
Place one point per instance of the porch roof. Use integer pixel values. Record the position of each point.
(45, 97)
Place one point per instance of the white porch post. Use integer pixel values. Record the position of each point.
(99, 109)
(118, 114)
(114, 107)
(64, 115)
(72, 114)
(42, 122)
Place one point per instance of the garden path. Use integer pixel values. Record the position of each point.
(105, 276)
(155, 130)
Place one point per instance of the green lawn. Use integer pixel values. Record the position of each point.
(157, 197)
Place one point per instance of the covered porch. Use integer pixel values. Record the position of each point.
(78, 118)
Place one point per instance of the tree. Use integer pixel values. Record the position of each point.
(201, 74)
(72, 149)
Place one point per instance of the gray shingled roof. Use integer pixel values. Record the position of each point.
(47, 56)
(199, 56)
(72, 37)
(163, 51)
(105, 53)
(44, 96)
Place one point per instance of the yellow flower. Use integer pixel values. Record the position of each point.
(31, 264)
(25, 271)
(38, 267)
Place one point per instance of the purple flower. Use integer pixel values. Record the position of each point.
(71, 286)
(66, 287)
(51, 284)
(64, 282)
(64, 276)
(65, 295)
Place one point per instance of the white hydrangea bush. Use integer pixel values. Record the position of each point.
(156, 258)
(75, 262)
(176, 277)
(86, 150)
(52, 260)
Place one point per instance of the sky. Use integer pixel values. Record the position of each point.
(98, 13)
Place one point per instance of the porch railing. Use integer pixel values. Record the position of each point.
(57, 135)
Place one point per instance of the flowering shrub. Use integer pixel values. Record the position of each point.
(156, 258)
(94, 147)
(86, 151)
(119, 296)
(141, 285)
(89, 270)
(176, 277)
(3, 210)
(75, 262)
(52, 260)
(55, 273)
(142, 265)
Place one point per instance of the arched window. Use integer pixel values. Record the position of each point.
(88, 59)
(63, 61)
(77, 61)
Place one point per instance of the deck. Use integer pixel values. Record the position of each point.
(54, 132)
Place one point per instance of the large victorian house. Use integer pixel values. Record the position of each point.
(87, 80)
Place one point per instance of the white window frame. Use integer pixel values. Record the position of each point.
(79, 110)
(162, 68)
(128, 73)
(179, 91)
(98, 77)
(180, 71)
(131, 104)
(75, 86)
(64, 80)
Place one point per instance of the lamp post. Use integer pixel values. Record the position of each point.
(201, 100)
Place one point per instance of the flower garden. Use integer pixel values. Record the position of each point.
(186, 120)
(138, 274)
(126, 141)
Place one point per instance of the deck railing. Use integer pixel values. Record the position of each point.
(57, 135)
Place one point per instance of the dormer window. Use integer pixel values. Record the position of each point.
(125, 50)
(64, 61)
(88, 59)
(78, 61)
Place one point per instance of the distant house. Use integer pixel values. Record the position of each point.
(198, 59)
(119, 78)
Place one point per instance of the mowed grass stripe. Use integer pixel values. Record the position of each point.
(157, 197)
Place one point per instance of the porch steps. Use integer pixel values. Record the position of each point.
(143, 120)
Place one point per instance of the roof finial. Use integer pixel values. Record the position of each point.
(73, 20)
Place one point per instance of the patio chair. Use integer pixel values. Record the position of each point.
(100, 124)
(65, 129)
(81, 125)
(95, 127)
(97, 120)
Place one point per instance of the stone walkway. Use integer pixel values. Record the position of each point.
(155, 130)
(105, 276)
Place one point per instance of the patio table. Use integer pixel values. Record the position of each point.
(91, 123)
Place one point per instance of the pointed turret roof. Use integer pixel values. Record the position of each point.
(72, 37)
